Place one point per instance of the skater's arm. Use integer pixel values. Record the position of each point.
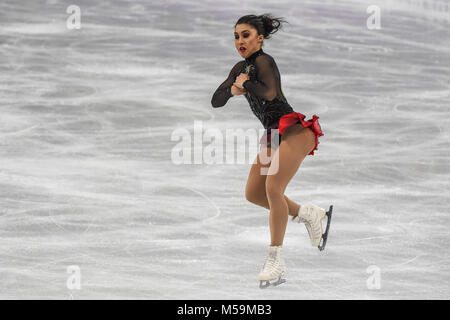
(225, 91)
(265, 84)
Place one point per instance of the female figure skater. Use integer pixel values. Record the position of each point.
(257, 77)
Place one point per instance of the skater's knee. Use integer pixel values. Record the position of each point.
(274, 189)
(255, 197)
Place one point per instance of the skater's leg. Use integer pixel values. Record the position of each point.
(297, 143)
(255, 191)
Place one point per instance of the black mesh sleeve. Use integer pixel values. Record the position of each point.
(265, 84)
(223, 92)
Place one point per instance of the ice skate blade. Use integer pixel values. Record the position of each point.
(325, 235)
(263, 284)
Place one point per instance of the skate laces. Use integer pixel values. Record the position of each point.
(312, 221)
(310, 212)
(315, 226)
(304, 214)
(271, 260)
(309, 215)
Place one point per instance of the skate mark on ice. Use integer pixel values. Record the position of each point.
(321, 289)
(57, 261)
(20, 131)
(165, 189)
(406, 262)
(218, 211)
(368, 238)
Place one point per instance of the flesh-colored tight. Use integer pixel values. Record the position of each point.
(267, 189)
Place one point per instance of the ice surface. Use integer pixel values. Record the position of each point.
(87, 179)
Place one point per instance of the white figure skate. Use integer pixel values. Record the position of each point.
(312, 216)
(273, 269)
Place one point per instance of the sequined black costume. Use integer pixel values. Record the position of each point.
(264, 95)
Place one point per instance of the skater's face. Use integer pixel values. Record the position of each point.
(247, 40)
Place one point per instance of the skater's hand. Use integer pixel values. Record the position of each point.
(235, 91)
(240, 79)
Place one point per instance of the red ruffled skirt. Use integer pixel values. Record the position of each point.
(290, 119)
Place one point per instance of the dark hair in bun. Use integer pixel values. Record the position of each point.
(265, 24)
